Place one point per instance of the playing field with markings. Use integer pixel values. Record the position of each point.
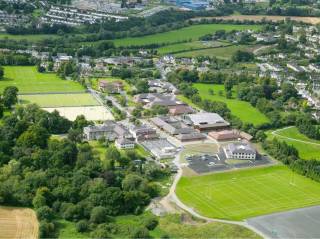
(59, 100)
(248, 193)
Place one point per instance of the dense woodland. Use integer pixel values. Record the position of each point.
(65, 179)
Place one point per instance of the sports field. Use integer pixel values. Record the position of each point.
(29, 80)
(308, 148)
(59, 100)
(242, 109)
(184, 34)
(247, 193)
(18, 223)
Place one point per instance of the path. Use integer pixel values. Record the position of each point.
(293, 139)
(261, 48)
(172, 197)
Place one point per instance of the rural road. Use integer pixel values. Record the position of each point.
(172, 197)
(285, 137)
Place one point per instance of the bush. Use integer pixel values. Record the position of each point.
(82, 226)
(98, 215)
(140, 232)
(46, 229)
(44, 212)
(151, 223)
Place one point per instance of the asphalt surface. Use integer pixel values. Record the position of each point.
(299, 223)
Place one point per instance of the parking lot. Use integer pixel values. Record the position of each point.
(205, 163)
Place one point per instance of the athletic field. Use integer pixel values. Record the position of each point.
(308, 148)
(248, 193)
(242, 109)
(29, 80)
(59, 100)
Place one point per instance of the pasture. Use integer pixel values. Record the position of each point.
(32, 38)
(220, 52)
(188, 46)
(17, 223)
(29, 80)
(308, 148)
(247, 193)
(59, 100)
(242, 109)
(191, 33)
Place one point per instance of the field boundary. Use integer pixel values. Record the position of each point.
(55, 93)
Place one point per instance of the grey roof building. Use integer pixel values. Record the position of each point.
(177, 128)
(151, 99)
(205, 121)
(109, 129)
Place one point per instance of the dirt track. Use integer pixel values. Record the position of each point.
(310, 20)
(18, 223)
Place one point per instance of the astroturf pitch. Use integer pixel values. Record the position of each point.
(238, 195)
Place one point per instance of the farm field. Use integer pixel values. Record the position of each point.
(59, 100)
(248, 193)
(220, 52)
(184, 34)
(32, 38)
(308, 148)
(18, 223)
(29, 80)
(188, 46)
(242, 109)
(309, 20)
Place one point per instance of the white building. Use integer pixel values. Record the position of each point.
(239, 151)
(123, 143)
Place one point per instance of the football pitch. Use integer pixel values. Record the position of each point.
(59, 100)
(29, 80)
(248, 193)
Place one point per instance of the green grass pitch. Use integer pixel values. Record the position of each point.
(59, 100)
(308, 148)
(242, 109)
(191, 33)
(248, 193)
(29, 80)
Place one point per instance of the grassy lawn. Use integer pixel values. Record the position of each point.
(188, 46)
(188, 101)
(187, 33)
(68, 230)
(59, 100)
(174, 227)
(33, 37)
(29, 80)
(180, 226)
(248, 193)
(221, 52)
(308, 148)
(242, 109)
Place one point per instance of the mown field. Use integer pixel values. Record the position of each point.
(308, 148)
(18, 223)
(242, 109)
(191, 33)
(29, 80)
(32, 38)
(188, 46)
(248, 193)
(220, 52)
(59, 100)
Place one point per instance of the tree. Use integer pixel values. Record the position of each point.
(112, 153)
(98, 215)
(45, 213)
(1, 110)
(1, 72)
(82, 226)
(10, 96)
(142, 86)
(34, 136)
